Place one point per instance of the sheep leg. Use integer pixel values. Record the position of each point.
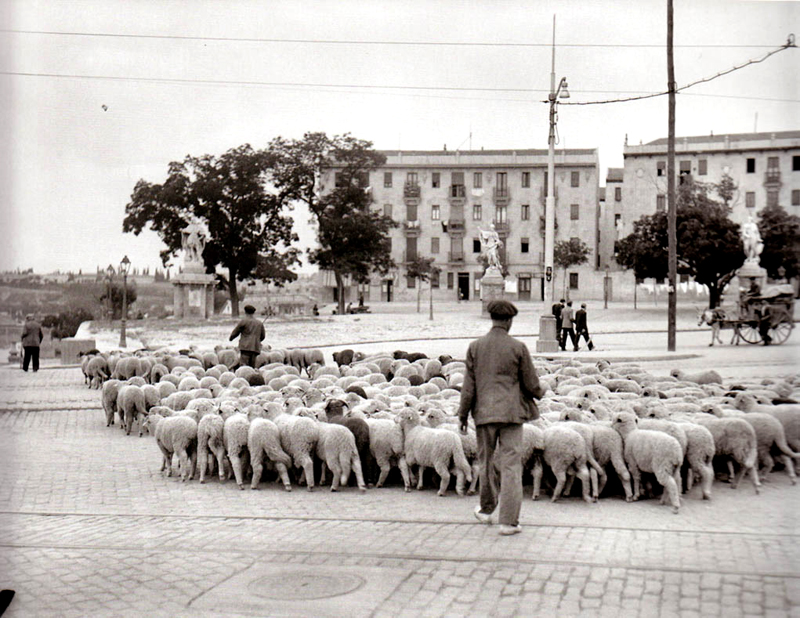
(444, 473)
(670, 488)
(678, 481)
(476, 472)
(593, 478)
(202, 461)
(257, 461)
(236, 464)
(183, 463)
(420, 473)
(537, 473)
(561, 478)
(602, 479)
(587, 480)
(385, 468)
(787, 462)
(192, 460)
(637, 480)
(336, 473)
(731, 474)
(359, 472)
(308, 468)
(754, 478)
(568, 484)
(284, 474)
(323, 470)
(689, 479)
(706, 480)
(220, 455)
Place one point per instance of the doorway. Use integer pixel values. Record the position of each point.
(387, 290)
(524, 289)
(463, 286)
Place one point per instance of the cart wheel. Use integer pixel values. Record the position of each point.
(780, 332)
(749, 332)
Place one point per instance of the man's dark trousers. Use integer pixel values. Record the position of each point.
(31, 354)
(506, 438)
(247, 358)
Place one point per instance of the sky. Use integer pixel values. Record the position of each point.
(97, 95)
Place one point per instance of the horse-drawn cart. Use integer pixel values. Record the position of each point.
(779, 299)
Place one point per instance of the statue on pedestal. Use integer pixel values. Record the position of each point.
(192, 243)
(753, 245)
(491, 242)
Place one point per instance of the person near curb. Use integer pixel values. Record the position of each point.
(567, 328)
(581, 328)
(557, 308)
(251, 333)
(764, 315)
(31, 340)
(499, 390)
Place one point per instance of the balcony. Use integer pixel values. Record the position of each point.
(411, 189)
(457, 195)
(502, 227)
(455, 257)
(772, 178)
(411, 228)
(501, 196)
(453, 226)
(409, 256)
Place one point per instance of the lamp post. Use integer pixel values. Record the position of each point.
(547, 325)
(124, 268)
(109, 287)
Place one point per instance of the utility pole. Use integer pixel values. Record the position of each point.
(672, 215)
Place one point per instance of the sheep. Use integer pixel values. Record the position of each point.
(704, 377)
(435, 448)
(210, 431)
(311, 357)
(97, 371)
(131, 403)
(734, 439)
(564, 450)
(178, 434)
(594, 468)
(263, 438)
(671, 429)
(436, 417)
(336, 448)
(699, 454)
(235, 433)
(386, 446)
(299, 436)
(788, 415)
(359, 428)
(109, 399)
(650, 451)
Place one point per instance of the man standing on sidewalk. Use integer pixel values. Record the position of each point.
(251, 333)
(31, 340)
(581, 328)
(567, 328)
(499, 389)
(557, 309)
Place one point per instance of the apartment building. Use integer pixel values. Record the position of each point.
(764, 166)
(443, 199)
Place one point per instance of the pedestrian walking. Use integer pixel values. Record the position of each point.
(567, 328)
(764, 316)
(251, 333)
(499, 390)
(31, 340)
(581, 327)
(557, 309)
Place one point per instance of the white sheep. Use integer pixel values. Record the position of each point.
(734, 439)
(131, 403)
(436, 448)
(565, 453)
(704, 377)
(387, 448)
(264, 438)
(699, 455)
(235, 431)
(97, 371)
(109, 398)
(336, 448)
(299, 437)
(651, 451)
(178, 435)
(210, 437)
(436, 417)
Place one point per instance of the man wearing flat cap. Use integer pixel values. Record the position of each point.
(251, 333)
(500, 387)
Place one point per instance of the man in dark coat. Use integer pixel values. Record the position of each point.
(557, 308)
(499, 389)
(567, 328)
(251, 333)
(31, 340)
(581, 328)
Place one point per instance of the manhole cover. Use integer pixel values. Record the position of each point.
(298, 585)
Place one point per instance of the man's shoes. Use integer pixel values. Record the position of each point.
(484, 518)
(506, 530)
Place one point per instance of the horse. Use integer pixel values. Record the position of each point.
(717, 319)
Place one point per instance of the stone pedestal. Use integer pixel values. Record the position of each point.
(741, 283)
(547, 342)
(193, 295)
(493, 287)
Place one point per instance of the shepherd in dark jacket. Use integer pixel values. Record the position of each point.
(581, 327)
(31, 340)
(499, 389)
(251, 333)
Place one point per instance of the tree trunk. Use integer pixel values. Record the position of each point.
(713, 295)
(340, 289)
(234, 295)
(419, 292)
(430, 301)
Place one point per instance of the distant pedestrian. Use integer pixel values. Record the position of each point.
(361, 300)
(251, 333)
(499, 390)
(557, 309)
(764, 316)
(581, 327)
(31, 340)
(567, 327)
(315, 309)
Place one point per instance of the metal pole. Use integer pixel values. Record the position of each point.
(122, 341)
(672, 209)
(430, 301)
(550, 200)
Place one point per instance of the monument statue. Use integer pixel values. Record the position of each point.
(490, 239)
(753, 245)
(192, 243)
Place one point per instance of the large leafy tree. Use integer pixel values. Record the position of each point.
(246, 223)
(780, 233)
(709, 242)
(352, 239)
(572, 252)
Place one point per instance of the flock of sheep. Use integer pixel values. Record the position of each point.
(365, 416)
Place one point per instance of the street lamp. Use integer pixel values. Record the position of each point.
(109, 286)
(124, 268)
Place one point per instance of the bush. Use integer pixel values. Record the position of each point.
(66, 323)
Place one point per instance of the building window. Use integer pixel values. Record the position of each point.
(477, 180)
(450, 281)
(526, 180)
(525, 213)
(796, 163)
(795, 197)
(435, 244)
(750, 199)
(618, 224)
(477, 212)
(525, 244)
(546, 185)
(751, 166)
(435, 180)
(773, 169)
(702, 167)
(573, 281)
(661, 168)
(772, 197)
(411, 249)
(476, 245)
(457, 185)
(575, 179)
(617, 194)
(387, 180)
(411, 212)
(502, 182)
(435, 213)
(411, 282)
(685, 171)
(412, 179)
(574, 212)
(435, 279)
(387, 210)
(500, 214)
(661, 203)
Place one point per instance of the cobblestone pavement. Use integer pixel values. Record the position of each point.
(88, 526)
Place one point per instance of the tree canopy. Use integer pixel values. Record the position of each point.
(780, 233)
(246, 224)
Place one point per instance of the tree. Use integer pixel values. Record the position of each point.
(420, 269)
(780, 233)
(572, 252)
(116, 298)
(353, 239)
(228, 194)
(709, 243)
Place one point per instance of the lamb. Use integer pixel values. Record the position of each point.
(109, 398)
(734, 438)
(671, 429)
(210, 431)
(704, 377)
(334, 410)
(650, 451)
(594, 468)
(336, 447)
(299, 436)
(131, 403)
(700, 451)
(436, 417)
(564, 451)
(263, 438)
(97, 371)
(311, 357)
(435, 448)
(386, 446)
(178, 434)
(235, 433)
